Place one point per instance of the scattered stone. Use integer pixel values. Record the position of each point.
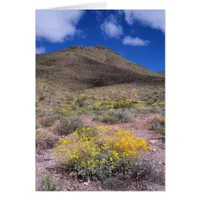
(153, 141)
(154, 150)
(85, 183)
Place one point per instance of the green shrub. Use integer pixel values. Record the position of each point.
(38, 110)
(158, 125)
(64, 111)
(79, 100)
(115, 104)
(116, 116)
(48, 121)
(67, 126)
(123, 115)
(48, 184)
(107, 117)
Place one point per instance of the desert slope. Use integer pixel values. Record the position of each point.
(89, 67)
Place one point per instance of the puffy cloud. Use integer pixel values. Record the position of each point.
(40, 50)
(129, 16)
(134, 41)
(57, 25)
(152, 18)
(111, 28)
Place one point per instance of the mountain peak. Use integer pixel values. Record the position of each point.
(99, 47)
(95, 47)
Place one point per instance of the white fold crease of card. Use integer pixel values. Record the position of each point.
(97, 5)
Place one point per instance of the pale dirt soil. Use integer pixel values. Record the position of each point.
(141, 127)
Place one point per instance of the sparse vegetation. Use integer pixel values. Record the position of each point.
(158, 124)
(124, 115)
(115, 104)
(77, 115)
(116, 116)
(47, 121)
(79, 100)
(67, 126)
(48, 184)
(46, 140)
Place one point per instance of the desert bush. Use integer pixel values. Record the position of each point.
(106, 117)
(136, 175)
(115, 104)
(38, 111)
(100, 152)
(82, 110)
(123, 115)
(67, 126)
(116, 116)
(63, 111)
(46, 140)
(45, 113)
(48, 121)
(124, 103)
(158, 125)
(79, 100)
(47, 184)
(148, 109)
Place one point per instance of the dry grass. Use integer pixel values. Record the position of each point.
(45, 139)
(96, 66)
(67, 126)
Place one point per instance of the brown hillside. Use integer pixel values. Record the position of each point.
(88, 67)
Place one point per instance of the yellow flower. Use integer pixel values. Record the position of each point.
(55, 153)
(150, 149)
(82, 149)
(103, 161)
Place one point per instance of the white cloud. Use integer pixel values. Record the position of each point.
(57, 25)
(152, 18)
(40, 50)
(129, 16)
(111, 28)
(134, 41)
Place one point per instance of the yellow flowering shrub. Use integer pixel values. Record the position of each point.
(99, 151)
(64, 111)
(141, 106)
(115, 103)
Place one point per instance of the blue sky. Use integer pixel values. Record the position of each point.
(137, 35)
